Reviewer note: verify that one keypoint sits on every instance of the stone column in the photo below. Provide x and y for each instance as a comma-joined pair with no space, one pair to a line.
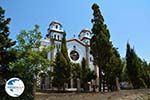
78,85
96,68
71,83
66,85
117,84
90,86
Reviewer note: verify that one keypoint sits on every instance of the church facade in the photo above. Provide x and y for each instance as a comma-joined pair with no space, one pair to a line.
78,48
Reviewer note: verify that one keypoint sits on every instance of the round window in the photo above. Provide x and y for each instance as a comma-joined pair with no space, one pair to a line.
74,55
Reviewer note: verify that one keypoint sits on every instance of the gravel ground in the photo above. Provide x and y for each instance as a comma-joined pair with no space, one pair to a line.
122,95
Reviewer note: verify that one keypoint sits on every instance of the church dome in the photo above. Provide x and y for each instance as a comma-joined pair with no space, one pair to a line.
85,36
56,26
85,33
54,23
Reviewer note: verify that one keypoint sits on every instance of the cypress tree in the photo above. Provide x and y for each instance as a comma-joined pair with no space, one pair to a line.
6,55
145,73
76,71
134,68
6,43
59,75
113,70
84,70
84,73
106,57
67,66
62,68
64,48
101,46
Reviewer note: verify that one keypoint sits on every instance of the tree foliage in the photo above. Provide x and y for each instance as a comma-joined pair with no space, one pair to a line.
113,70
76,71
145,74
86,74
6,43
7,54
134,68
67,66
85,70
29,51
62,68
59,75
30,60
105,55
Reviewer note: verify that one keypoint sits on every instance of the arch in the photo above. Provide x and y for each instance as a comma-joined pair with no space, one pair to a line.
58,37
54,36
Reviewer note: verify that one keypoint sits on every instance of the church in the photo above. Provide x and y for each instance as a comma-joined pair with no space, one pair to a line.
78,48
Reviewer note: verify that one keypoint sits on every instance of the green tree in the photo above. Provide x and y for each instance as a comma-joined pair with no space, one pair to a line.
105,55
30,60
76,71
67,66
124,75
59,75
113,70
62,66
7,54
134,68
6,43
86,72
147,76
145,73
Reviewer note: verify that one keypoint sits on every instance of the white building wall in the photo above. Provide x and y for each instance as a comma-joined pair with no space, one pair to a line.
79,48
56,27
56,35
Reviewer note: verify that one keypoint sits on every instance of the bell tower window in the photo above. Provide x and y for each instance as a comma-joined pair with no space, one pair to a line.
54,36
56,26
58,37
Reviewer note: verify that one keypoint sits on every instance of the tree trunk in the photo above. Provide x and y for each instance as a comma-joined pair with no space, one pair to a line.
117,84
34,87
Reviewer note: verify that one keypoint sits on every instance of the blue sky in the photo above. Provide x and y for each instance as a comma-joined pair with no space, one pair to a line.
127,20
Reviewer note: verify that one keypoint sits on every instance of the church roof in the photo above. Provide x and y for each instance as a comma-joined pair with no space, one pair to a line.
84,38
53,30
85,30
55,22
78,42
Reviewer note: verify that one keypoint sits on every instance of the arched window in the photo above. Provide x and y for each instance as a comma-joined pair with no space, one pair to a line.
86,42
59,45
91,59
58,37
56,26
54,36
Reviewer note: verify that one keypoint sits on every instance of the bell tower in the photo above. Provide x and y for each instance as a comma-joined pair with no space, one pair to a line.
55,34
85,36
55,31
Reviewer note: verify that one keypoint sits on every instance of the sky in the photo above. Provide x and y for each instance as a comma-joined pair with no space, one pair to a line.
127,20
